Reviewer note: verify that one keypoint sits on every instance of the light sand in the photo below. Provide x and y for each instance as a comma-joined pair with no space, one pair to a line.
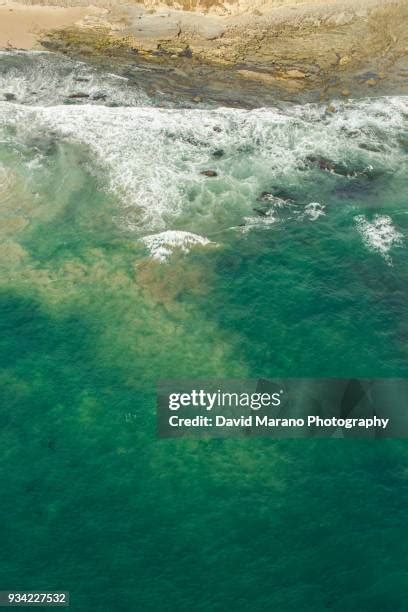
22,25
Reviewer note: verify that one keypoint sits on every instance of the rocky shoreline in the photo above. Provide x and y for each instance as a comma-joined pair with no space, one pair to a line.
317,51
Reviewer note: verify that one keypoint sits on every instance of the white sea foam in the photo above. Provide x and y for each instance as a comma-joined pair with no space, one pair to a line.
151,159
263,222
314,210
379,235
23,52
161,246
311,211
49,80
275,202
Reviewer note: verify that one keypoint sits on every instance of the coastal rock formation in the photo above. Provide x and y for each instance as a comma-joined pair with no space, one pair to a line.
290,46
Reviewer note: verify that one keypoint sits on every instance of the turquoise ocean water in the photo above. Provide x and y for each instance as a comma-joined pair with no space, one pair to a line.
122,263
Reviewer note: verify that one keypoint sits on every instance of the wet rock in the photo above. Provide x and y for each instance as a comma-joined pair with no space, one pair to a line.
265,196
218,153
260,212
160,51
369,173
345,93
9,97
371,82
321,162
197,99
195,142
99,96
369,146
342,169
217,128
209,173
363,77
328,166
187,52
78,96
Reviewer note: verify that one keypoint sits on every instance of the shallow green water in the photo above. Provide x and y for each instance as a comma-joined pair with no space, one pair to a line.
93,312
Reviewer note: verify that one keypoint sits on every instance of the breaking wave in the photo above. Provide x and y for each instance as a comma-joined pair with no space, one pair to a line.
161,246
202,170
41,78
379,235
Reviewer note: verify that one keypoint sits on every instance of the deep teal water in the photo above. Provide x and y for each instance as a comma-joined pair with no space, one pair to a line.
90,319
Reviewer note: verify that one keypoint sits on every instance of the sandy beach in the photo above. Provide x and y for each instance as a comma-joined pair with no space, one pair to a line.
22,26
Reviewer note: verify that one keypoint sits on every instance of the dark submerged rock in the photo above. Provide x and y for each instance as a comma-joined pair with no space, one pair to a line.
368,146
47,145
342,169
260,212
320,162
99,96
209,173
218,153
265,196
